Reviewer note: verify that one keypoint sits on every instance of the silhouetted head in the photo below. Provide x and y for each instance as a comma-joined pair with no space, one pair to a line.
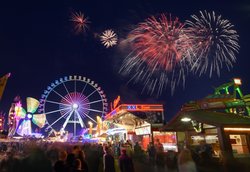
124,151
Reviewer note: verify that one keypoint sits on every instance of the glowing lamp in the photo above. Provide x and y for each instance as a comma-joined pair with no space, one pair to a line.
237,129
185,119
237,81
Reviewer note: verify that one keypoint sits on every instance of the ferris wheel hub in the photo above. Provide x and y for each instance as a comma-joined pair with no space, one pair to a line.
75,106
29,115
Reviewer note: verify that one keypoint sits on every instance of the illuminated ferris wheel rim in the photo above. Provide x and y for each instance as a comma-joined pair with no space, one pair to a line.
72,107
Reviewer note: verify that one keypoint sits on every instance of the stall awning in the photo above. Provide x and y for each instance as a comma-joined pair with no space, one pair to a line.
126,119
217,119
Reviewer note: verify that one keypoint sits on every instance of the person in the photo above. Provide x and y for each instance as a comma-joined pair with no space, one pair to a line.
117,149
10,163
138,152
81,155
171,160
137,148
185,161
128,147
108,160
36,161
60,164
159,158
151,153
70,162
76,149
205,150
125,162
78,166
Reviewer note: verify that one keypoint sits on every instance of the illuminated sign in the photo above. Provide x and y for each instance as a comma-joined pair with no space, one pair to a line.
131,107
143,130
115,131
152,113
142,107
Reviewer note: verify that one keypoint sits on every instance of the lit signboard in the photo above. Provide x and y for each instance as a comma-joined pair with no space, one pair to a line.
152,113
143,130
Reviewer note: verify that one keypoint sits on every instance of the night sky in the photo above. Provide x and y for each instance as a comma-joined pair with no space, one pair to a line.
38,45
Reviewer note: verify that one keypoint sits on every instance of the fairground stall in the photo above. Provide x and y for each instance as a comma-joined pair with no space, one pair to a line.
221,121
139,123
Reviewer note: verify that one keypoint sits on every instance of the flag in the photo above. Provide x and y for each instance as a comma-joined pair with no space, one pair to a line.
3,81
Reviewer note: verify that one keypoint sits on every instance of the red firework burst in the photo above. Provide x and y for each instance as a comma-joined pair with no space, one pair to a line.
160,42
80,22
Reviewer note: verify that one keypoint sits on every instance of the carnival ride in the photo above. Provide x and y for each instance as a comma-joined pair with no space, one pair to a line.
1,122
12,120
69,101
26,117
226,98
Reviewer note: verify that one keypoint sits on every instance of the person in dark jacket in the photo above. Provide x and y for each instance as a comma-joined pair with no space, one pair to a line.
60,165
125,162
81,155
108,160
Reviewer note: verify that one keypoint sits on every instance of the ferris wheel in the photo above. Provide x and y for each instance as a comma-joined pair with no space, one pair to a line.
69,103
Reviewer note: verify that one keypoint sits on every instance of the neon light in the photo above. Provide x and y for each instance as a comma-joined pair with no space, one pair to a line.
185,119
113,112
135,108
116,102
142,107
237,129
131,107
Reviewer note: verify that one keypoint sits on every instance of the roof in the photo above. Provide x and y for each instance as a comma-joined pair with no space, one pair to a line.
217,119
137,114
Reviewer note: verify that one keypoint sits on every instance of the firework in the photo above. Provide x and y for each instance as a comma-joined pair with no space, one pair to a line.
80,22
160,54
214,42
109,38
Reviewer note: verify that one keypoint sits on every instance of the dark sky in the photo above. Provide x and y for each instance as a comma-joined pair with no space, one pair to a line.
38,45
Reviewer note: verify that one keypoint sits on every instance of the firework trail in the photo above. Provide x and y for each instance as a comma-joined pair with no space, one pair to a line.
161,53
214,42
109,38
80,22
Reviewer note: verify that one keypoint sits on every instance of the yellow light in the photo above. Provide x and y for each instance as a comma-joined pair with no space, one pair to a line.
237,81
237,129
185,119
90,123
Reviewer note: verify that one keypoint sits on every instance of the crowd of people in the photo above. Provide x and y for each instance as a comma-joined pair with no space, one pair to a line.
36,156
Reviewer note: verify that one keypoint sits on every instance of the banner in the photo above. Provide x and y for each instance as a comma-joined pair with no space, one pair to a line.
3,81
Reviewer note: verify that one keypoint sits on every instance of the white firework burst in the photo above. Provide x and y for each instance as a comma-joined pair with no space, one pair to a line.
109,38
214,42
